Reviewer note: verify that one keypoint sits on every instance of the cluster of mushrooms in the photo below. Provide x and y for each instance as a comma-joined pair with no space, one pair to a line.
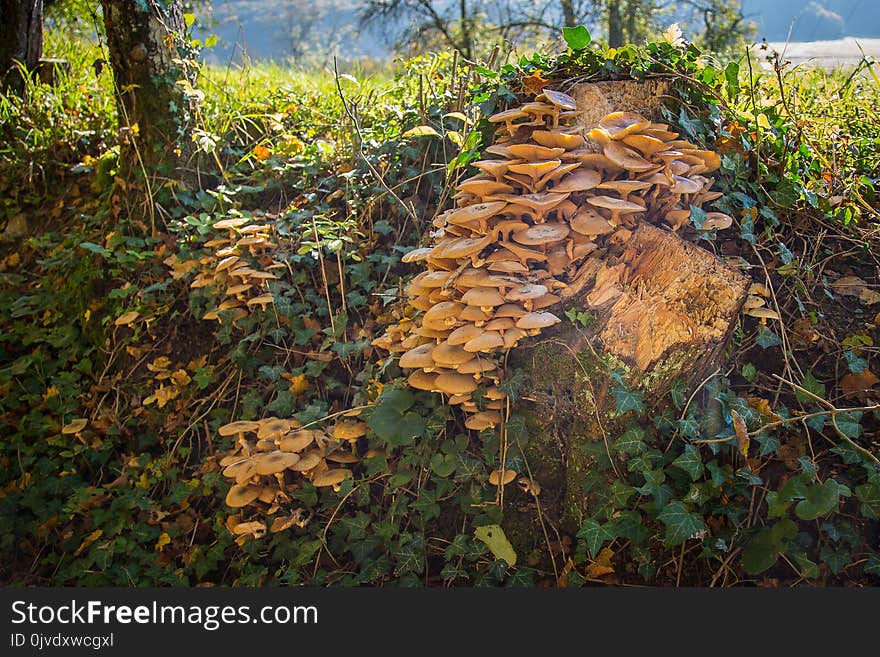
551,199
268,455
521,235
243,285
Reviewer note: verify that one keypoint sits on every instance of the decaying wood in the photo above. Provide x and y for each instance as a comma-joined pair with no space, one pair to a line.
658,309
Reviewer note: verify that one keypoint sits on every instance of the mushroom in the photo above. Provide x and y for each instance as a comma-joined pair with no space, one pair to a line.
241,495
621,124
463,334
589,222
486,298
349,430
241,470
296,441
308,461
332,477
717,221
455,383
534,152
421,380
274,428
483,420
537,320
269,463
486,341
420,357
617,207
499,478
557,139
542,234
449,355
238,427
579,181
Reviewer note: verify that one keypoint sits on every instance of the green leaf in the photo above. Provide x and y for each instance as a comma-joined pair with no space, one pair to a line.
630,442
749,372
444,464
837,560
731,75
767,338
821,499
595,535
763,549
211,41
691,462
577,38
869,495
391,420
808,568
681,524
421,131
495,539
628,400
813,385
850,424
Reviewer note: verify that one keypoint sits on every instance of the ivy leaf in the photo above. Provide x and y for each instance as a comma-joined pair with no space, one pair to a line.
837,560
628,400
681,524
763,549
811,384
869,495
691,462
495,539
821,499
767,338
595,535
630,442
577,38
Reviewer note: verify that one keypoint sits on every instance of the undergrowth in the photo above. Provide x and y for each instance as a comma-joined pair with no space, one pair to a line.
114,386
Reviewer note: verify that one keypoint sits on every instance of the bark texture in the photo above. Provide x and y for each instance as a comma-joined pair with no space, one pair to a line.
144,39
21,38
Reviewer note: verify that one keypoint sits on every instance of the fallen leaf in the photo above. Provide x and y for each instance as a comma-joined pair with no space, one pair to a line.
126,318
298,384
601,565
164,539
742,433
160,364
763,407
495,539
854,286
533,84
75,426
87,541
858,384
261,152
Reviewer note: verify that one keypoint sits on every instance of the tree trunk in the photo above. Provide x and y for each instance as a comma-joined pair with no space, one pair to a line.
21,38
615,24
144,39
568,14
658,309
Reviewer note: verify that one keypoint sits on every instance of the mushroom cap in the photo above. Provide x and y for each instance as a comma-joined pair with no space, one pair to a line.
507,115
422,380
579,181
349,429
483,420
625,186
762,313
537,320
273,427
483,188
561,100
331,477
627,158
589,222
521,252
483,297
513,310
512,336
464,333
541,201
478,365
239,426
615,204
621,124
541,234
417,254
557,139
508,267
682,185
494,167
645,144
534,152
499,324
717,220
526,292
461,247
241,495
473,314
297,440
499,478
418,357
535,169
307,461
486,341
342,456
444,310
455,383
268,463
241,470
233,222
262,300
430,279
449,355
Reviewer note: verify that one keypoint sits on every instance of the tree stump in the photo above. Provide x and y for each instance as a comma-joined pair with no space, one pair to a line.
655,309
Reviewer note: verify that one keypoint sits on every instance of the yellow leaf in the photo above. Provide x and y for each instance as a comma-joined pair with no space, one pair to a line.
533,84
495,539
75,426
181,378
164,539
421,131
602,564
126,318
87,541
298,384
160,364
763,122
261,152
742,433
51,391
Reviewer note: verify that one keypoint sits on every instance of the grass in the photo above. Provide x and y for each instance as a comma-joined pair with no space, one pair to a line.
136,496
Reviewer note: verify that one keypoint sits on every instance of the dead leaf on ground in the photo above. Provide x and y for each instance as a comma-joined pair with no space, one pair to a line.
602,564
742,433
853,286
858,384
87,541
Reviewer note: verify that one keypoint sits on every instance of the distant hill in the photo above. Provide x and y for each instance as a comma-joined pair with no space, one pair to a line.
317,29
